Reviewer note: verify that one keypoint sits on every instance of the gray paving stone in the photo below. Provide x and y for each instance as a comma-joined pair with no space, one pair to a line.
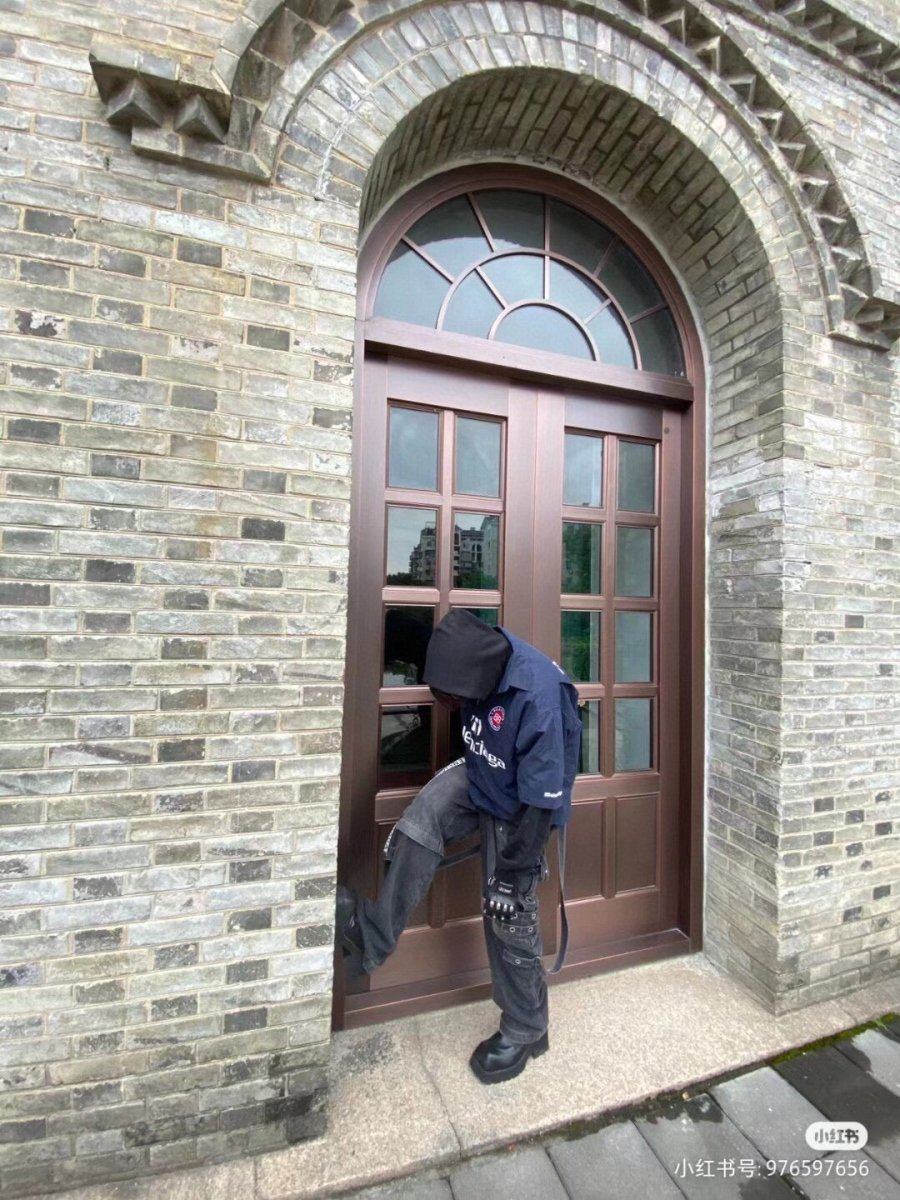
614,1163
775,1117
697,1134
844,1092
526,1174
877,1055
407,1189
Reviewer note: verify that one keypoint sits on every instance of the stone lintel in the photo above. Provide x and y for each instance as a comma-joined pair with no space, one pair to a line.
171,146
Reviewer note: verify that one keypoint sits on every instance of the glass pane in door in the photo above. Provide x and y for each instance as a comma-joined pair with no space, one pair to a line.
634,561
476,550
490,616
633,734
634,657
413,449
405,739
581,557
580,645
590,738
637,477
583,470
477,457
411,545
407,628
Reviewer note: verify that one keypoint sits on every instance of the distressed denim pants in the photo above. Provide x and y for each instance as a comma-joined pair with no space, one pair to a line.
443,813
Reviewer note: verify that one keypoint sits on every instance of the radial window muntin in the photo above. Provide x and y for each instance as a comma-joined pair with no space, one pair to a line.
669,353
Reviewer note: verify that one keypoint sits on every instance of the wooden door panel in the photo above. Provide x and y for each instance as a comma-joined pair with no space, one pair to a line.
585,844
635,848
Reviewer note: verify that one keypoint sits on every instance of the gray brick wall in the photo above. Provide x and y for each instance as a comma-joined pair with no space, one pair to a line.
172,584
175,361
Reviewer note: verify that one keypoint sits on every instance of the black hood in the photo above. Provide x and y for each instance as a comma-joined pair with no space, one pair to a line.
465,657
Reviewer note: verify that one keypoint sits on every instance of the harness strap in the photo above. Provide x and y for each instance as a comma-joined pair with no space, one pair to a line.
450,860
563,919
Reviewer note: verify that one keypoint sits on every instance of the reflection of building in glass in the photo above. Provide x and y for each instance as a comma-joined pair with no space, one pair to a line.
423,557
467,550
476,553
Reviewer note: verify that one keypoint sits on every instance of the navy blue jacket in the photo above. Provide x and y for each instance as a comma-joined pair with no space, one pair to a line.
523,742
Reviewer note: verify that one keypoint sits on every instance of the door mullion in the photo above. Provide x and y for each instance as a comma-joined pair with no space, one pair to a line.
546,554
608,619
669,701
518,521
445,557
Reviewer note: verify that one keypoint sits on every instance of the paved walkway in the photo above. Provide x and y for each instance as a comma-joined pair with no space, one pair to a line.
402,1099
736,1139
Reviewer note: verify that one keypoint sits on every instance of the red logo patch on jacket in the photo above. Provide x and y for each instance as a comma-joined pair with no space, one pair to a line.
496,717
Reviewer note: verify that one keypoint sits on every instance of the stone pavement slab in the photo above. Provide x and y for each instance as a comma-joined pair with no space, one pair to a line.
843,1092
775,1117
614,1163
408,1189
526,1174
697,1131
871,1001
225,1181
876,1054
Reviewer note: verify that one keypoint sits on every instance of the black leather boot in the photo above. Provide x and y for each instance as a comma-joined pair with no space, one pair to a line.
496,1060
347,933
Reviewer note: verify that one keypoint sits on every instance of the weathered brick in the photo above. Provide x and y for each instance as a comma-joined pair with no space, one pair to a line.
55,224
268,337
15,594
263,529
122,262
101,570
199,252
183,648
121,362
116,465
182,750
26,430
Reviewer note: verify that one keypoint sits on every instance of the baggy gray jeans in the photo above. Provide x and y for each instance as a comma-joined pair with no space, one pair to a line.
443,813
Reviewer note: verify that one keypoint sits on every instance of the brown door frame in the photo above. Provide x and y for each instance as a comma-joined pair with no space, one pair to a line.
524,366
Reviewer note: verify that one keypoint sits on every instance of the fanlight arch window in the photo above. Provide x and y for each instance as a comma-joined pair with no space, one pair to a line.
523,268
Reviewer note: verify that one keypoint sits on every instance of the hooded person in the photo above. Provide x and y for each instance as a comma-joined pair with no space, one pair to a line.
522,733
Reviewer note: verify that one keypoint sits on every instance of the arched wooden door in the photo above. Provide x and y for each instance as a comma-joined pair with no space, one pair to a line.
515,456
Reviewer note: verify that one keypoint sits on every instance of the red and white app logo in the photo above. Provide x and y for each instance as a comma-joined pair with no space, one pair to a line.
495,718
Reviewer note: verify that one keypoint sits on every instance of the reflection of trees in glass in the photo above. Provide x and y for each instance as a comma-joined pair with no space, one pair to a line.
589,711
581,557
580,645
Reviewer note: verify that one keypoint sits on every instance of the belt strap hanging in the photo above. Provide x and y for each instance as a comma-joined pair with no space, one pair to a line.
563,919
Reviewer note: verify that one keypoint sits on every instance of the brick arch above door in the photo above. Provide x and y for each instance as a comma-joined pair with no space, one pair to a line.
231,118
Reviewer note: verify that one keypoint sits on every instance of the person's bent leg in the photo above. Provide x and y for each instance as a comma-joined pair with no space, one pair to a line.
439,814
380,922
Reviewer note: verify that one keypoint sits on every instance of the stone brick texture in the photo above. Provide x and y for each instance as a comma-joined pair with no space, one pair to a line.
176,358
